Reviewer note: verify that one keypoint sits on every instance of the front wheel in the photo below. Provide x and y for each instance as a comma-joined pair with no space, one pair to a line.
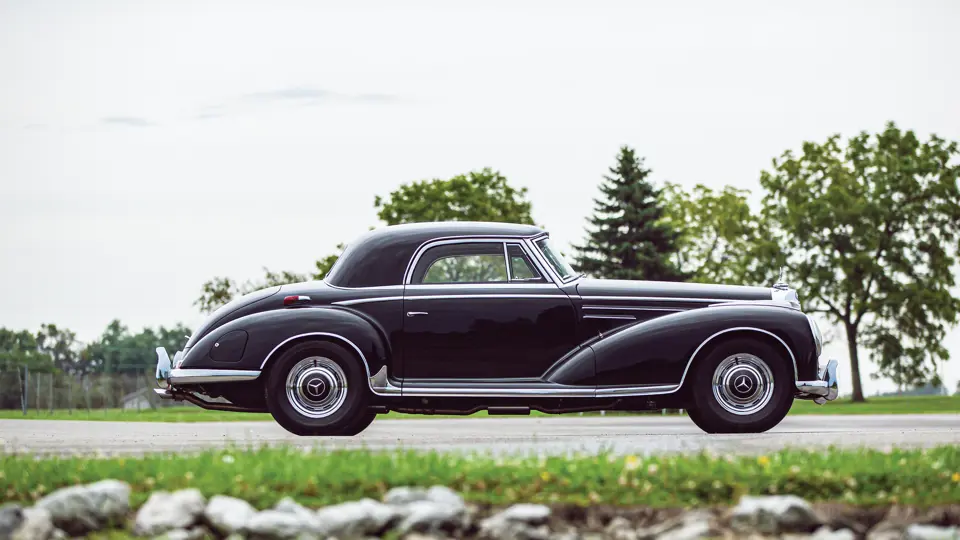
317,388
741,386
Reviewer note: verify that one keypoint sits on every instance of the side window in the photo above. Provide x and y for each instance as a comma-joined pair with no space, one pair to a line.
521,269
479,262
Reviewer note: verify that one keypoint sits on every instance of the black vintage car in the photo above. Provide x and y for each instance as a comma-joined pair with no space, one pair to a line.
455,318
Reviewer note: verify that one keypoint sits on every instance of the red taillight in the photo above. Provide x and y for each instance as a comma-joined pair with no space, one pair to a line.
290,300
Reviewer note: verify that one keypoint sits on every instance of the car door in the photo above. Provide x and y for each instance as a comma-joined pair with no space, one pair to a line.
481,309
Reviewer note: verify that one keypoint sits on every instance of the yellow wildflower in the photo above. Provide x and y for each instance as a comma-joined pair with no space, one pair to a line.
631,463
956,477
763,461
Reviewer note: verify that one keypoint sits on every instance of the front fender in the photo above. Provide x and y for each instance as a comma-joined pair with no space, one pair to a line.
659,351
268,331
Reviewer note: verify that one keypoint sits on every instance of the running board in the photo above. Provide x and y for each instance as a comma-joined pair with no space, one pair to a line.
382,385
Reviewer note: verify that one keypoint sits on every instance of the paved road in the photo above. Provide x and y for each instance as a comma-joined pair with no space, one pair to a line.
621,434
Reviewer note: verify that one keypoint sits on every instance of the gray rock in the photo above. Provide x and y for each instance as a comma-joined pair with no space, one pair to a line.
824,533
534,514
931,532
432,517
356,519
166,511
690,531
196,533
400,496
37,525
79,510
405,495
227,515
11,516
280,525
774,514
520,521
445,495
694,524
620,528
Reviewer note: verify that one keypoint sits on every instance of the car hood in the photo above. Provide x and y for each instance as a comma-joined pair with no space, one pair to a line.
670,289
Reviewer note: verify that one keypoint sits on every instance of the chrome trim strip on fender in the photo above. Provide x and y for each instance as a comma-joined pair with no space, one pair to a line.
657,299
559,296
506,285
619,317
366,365
197,376
636,308
366,300
738,328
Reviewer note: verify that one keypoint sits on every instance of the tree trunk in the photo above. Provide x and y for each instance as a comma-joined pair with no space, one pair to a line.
854,363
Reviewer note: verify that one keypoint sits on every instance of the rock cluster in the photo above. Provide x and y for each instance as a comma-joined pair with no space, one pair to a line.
421,514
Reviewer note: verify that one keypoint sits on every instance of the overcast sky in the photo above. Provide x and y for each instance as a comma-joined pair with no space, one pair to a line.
148,146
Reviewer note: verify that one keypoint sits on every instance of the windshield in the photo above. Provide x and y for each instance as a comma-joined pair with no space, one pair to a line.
555,259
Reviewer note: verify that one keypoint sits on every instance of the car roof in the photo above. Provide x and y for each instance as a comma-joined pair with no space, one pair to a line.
380,256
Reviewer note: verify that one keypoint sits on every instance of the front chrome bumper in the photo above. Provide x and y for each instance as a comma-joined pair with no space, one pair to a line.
169,373
823,389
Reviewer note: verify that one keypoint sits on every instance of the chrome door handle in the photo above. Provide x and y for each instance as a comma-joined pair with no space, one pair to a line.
415,313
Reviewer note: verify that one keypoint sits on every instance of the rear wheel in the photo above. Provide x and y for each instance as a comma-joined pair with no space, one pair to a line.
741,386
317,388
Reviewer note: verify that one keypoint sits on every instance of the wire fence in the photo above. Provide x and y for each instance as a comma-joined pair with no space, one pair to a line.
125,388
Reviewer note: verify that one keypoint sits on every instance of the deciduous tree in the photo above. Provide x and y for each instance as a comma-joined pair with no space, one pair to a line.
482,195
869,233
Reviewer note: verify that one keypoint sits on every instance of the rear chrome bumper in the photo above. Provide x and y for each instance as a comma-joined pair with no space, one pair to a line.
823,389
169,374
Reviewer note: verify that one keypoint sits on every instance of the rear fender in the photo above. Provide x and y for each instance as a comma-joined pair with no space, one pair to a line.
270,332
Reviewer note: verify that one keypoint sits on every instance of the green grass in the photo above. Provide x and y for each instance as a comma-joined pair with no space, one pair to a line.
317,477
877,405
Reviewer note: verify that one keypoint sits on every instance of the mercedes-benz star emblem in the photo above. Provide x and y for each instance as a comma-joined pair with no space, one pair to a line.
315,387
743,383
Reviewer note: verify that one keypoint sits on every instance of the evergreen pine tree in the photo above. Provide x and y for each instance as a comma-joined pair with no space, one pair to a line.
628,240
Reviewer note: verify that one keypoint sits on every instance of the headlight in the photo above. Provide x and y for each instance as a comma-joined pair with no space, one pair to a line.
817,336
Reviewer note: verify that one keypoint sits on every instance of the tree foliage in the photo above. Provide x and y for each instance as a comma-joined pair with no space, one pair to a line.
869,234
61,345
629,237
19,349
718,233
117,349
481,195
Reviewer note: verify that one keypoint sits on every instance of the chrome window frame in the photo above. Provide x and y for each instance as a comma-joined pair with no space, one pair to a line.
549,278
532,245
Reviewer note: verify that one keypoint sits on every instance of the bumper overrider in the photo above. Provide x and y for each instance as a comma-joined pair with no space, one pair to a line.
823,389
175,381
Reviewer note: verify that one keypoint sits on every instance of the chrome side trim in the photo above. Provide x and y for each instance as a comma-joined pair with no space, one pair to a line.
373,288
619,317
366,365
637,308
739,328
197,376
492,295
658,299
483,286
628,391
366,300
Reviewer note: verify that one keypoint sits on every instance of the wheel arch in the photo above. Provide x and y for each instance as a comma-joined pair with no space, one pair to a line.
738,332
328,337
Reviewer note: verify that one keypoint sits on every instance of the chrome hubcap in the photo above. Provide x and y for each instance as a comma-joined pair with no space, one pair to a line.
743,384
316,387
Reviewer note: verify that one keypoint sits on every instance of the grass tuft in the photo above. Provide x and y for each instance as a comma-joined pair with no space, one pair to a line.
314,477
